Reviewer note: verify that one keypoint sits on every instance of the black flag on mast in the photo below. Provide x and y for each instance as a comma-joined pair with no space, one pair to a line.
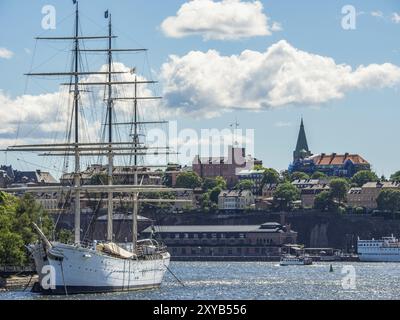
106,14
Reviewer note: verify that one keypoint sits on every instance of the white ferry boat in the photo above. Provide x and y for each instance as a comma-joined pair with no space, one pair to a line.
295,261
386,249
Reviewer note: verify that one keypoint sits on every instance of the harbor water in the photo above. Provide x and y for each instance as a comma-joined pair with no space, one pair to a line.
261,280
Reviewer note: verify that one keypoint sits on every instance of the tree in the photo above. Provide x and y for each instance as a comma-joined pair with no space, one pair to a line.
360,210
319,175
338,189
258,167
211,183
11,249
65,236
299,176
389,200
244,185
270,176
395,176
16,217
208,184
188,180
214,193
284,176
364,176
221,182
323,201
29,210
285,194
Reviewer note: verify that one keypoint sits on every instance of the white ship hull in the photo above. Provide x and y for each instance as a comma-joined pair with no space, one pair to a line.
295,261
84,270
380,256
386,249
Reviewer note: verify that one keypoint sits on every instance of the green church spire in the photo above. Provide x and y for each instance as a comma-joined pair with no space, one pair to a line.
302,150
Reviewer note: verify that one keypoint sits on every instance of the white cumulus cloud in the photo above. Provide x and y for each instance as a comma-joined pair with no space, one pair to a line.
377,14
208,83
5,53
395,17
46,117
219,20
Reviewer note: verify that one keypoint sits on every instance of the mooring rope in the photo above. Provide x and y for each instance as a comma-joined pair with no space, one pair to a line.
62,273
26,287
177,279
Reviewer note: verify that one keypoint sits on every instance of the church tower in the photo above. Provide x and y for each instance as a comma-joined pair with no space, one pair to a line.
302,150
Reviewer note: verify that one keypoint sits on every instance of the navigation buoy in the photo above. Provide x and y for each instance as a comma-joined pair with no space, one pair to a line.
331,269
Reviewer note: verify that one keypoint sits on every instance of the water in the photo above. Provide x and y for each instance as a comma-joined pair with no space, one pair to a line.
260,280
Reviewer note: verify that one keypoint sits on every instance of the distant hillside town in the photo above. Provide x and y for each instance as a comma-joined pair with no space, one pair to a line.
236,182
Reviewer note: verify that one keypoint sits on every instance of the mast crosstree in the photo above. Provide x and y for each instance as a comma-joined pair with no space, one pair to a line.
110,148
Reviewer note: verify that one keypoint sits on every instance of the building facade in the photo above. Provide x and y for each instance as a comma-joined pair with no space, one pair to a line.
255,176
309,189
367,195
226,167
11,177
97,174
235,200
341,165
308,194
221,241
268,190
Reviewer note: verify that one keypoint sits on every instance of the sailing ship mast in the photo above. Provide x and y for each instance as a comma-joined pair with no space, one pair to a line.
110,205
108,149
135,195
77,176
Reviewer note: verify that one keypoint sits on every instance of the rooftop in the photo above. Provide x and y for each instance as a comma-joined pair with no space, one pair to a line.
337,159
382,184
273,228
247,172
234,193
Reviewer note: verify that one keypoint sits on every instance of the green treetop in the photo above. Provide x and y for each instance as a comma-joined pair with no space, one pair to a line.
189,180
364,176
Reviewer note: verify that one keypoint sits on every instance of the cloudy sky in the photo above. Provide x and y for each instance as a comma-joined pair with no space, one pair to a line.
265,63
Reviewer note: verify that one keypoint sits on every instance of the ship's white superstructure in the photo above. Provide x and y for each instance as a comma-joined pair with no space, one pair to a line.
289,260
386,249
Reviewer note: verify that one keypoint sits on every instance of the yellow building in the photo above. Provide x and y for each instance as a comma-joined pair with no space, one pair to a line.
367,195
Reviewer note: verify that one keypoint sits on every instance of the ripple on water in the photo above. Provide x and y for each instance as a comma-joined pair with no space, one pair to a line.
258,280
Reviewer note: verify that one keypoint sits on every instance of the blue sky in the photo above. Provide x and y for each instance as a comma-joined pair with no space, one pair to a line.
363,121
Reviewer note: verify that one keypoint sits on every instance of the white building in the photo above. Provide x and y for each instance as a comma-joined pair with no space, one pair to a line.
235,200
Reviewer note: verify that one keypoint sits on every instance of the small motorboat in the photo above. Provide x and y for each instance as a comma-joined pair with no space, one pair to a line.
289,260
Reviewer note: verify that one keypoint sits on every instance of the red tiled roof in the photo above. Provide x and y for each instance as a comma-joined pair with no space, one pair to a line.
337,159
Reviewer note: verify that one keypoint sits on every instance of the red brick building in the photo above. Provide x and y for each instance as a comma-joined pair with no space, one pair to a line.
226,167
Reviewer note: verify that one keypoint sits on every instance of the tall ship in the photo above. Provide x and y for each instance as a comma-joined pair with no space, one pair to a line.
99,266
386,249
